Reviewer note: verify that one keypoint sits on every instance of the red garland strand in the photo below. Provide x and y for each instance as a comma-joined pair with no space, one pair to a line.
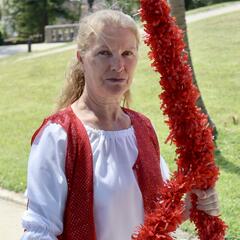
189,130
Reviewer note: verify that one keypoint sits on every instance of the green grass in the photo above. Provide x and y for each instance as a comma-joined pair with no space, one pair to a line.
29,89
215,50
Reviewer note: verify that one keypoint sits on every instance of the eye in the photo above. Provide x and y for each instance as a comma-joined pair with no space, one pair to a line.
127,53
105,53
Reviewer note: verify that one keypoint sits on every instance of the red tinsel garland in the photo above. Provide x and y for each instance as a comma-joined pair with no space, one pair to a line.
189,130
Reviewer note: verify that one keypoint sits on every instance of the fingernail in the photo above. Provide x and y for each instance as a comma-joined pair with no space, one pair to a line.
203,195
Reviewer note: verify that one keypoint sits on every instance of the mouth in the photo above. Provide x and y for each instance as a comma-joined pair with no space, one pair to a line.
116,80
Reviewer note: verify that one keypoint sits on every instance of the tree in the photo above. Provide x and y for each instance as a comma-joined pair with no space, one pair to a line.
190,4
90,4
127,6
178,11
31,16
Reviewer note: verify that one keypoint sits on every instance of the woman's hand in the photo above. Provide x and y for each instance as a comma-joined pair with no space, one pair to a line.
207,201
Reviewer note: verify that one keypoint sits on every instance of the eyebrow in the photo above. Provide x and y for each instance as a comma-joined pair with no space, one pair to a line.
105,46
134,48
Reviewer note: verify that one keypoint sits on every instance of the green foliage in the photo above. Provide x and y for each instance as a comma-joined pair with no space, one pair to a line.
28,18
31,16
90,3
128,6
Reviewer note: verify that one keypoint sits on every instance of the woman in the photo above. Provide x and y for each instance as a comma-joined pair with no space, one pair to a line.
94,165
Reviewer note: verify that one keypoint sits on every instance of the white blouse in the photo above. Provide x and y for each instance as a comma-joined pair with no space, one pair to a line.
118,204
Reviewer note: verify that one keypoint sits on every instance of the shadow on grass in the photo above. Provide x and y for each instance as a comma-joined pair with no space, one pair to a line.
224,164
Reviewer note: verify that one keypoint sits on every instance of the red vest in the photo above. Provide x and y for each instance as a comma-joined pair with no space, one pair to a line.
78,216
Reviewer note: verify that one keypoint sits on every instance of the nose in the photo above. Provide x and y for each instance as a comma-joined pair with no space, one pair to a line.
117,64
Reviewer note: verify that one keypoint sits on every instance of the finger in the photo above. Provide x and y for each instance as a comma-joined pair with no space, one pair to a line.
214,213
210,200
188,203
209,207
210,192
202,194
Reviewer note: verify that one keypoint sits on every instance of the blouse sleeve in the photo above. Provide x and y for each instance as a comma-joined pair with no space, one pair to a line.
163,165
46,185
164,169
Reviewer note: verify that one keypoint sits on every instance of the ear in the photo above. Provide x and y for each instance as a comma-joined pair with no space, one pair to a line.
79,57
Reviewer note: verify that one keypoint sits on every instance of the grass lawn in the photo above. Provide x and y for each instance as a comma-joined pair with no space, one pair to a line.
216,58
29,89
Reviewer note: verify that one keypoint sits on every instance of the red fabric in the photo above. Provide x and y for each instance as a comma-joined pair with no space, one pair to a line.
78,217
189,129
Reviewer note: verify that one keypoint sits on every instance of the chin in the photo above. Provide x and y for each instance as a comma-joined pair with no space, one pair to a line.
116,91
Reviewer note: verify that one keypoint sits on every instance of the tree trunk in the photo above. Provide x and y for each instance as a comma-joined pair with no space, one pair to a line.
90,5
45,17
178,11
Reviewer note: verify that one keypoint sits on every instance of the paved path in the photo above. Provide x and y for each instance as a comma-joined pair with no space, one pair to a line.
10,220
212,13
9,50
52,51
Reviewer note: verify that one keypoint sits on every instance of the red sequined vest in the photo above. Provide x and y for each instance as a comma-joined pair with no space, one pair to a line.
78,216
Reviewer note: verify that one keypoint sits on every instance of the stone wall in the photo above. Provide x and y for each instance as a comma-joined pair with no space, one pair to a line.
61,33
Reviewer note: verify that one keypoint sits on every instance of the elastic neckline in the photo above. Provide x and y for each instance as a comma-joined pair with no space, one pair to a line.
121,132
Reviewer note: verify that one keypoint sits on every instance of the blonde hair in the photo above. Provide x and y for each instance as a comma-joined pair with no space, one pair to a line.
75,81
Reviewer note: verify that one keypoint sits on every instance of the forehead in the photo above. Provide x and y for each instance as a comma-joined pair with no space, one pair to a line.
114,37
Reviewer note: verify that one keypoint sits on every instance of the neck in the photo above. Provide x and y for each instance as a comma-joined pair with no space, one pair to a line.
105,110
101,113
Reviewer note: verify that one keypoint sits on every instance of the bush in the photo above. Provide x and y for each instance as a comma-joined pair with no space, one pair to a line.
130,6
191,4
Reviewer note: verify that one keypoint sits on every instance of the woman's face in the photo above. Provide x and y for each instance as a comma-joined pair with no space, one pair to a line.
109,63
